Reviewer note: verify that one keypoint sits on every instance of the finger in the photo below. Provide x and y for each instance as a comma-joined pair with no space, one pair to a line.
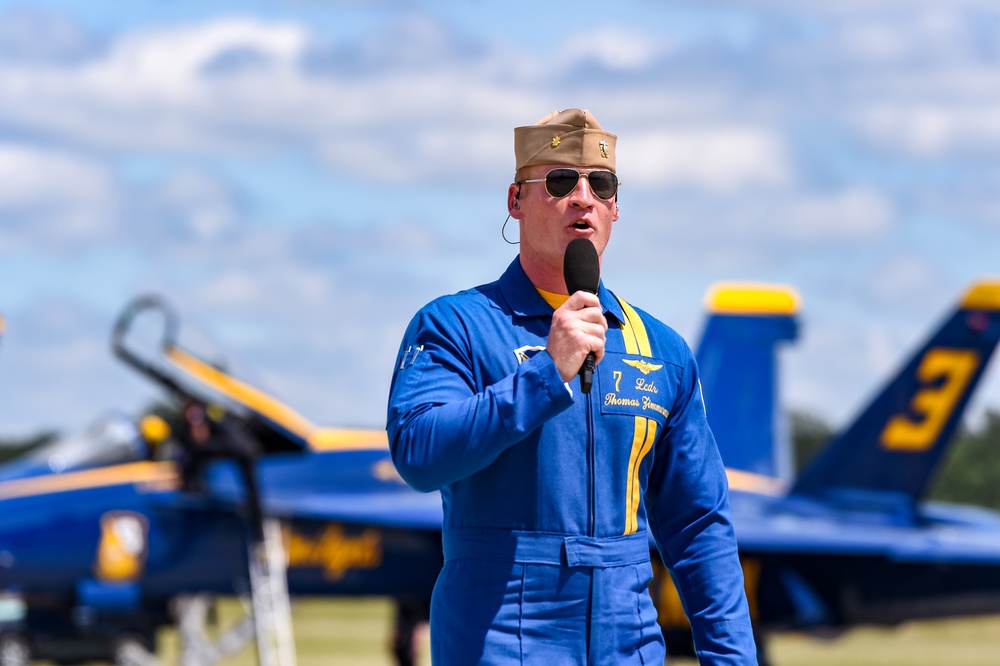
582,299
598,355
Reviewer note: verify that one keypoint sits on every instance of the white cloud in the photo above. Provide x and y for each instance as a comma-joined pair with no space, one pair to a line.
932,129
849,8
718,159
749,156
31,177
40,36
53,196
151,90
156,90
168,60
915,34
856,214
907,281
278,288
614,48
202,203
760,222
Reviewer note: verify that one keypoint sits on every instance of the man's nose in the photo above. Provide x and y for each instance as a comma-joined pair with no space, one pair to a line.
582,192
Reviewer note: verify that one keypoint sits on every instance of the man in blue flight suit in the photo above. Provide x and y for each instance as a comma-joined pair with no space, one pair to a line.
548,491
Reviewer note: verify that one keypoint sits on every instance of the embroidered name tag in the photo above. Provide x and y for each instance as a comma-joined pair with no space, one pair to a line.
636,386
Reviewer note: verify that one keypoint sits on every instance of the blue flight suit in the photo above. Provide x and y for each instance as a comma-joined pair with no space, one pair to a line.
548,492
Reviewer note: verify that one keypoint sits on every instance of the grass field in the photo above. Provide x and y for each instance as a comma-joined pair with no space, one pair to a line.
355,633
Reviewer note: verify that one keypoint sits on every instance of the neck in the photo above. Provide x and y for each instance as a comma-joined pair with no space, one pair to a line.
544,276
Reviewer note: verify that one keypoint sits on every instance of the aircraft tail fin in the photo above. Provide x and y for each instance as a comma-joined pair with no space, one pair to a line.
738,363
893,447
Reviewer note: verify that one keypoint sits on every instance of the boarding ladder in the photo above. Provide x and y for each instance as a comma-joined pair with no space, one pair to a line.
269,597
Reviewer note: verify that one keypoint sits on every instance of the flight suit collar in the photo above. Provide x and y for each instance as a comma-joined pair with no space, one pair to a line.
524,300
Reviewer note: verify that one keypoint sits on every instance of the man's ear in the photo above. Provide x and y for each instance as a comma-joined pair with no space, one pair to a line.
513,201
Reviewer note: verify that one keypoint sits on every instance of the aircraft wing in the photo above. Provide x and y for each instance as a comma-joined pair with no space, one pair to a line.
939,534
385,509
353,482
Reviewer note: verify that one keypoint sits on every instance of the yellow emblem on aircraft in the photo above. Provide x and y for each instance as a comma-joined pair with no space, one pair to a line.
121,553
643,366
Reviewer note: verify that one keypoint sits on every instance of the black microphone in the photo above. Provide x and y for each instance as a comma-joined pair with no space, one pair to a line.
582,272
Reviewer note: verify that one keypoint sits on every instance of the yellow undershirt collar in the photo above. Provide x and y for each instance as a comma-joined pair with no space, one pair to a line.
552,298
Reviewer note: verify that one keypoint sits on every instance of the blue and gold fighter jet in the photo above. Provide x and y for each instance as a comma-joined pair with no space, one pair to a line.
852,540
99,550
108,537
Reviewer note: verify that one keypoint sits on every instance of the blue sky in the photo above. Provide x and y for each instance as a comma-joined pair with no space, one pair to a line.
298,177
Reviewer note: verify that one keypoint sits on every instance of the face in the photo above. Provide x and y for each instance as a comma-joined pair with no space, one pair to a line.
548,223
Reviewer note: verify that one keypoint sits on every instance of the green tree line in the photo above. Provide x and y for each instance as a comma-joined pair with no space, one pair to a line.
11,448
969,473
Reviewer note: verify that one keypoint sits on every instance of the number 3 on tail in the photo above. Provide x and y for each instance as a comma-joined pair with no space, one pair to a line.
954,368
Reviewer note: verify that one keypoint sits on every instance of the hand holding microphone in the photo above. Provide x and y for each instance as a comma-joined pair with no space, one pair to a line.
576,340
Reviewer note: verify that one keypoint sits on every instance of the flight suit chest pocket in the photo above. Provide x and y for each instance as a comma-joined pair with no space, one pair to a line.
634,385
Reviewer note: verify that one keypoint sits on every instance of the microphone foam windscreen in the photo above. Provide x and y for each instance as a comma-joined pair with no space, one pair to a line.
581,266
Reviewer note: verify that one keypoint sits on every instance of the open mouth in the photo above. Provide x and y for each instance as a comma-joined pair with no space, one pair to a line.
581,225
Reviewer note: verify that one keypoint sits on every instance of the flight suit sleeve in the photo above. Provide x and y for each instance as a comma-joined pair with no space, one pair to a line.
442,425
688,509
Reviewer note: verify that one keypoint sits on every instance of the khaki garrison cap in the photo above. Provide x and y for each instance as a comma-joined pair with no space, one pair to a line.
572,137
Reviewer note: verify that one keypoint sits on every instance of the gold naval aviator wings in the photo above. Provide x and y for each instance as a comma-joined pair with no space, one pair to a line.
645,367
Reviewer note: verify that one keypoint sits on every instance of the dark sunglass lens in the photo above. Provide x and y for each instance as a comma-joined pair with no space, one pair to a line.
560,182
603,183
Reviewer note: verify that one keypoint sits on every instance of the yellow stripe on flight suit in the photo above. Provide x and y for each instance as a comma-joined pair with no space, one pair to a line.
642,443
636,342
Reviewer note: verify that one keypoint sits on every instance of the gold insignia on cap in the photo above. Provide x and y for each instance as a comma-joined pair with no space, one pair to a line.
644,367
571,137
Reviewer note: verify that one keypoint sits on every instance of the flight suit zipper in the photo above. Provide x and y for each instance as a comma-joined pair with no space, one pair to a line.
591,511
591,483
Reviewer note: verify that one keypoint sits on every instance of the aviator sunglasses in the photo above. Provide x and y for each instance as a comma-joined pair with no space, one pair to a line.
560,182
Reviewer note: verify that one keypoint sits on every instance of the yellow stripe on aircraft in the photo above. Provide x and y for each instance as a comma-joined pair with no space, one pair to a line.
751,298
755,483
160,473
337,439
318,439
982,296
241,392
